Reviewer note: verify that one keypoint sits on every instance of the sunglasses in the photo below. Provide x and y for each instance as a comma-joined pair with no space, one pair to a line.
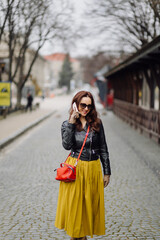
83,106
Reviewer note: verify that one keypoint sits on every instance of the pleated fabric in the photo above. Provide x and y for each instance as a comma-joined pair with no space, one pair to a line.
80,208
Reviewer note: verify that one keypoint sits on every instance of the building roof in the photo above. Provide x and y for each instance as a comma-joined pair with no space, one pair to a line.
146,55
58,57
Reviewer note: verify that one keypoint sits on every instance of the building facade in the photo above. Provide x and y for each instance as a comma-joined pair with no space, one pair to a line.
136,84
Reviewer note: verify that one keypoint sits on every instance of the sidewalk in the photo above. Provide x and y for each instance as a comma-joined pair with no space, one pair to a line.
19,122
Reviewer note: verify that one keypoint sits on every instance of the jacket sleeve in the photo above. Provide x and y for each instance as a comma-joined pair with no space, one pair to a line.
104,154
68,135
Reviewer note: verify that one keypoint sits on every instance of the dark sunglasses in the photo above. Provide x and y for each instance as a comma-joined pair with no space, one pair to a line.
83,106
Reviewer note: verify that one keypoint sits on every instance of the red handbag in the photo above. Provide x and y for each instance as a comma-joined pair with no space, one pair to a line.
67,172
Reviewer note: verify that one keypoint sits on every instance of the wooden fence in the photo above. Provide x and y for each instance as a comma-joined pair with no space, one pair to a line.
143,119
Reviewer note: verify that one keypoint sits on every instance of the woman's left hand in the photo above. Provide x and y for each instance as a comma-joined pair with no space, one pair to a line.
106,179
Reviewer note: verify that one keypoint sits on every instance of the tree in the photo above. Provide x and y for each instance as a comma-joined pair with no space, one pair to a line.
132,23
66,73
155,5
5,7
30,24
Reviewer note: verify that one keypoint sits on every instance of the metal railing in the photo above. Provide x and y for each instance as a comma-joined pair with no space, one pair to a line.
147,120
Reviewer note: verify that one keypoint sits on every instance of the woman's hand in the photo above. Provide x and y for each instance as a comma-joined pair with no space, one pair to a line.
73,117
106,179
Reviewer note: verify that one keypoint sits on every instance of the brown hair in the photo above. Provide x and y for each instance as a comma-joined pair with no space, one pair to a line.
92,116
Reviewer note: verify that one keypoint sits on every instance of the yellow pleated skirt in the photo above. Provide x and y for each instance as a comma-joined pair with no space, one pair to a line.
80,208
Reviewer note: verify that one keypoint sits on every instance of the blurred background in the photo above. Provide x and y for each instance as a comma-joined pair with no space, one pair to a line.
50,48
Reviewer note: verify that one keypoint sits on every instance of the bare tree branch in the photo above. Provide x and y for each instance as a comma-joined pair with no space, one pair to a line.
138,22
29,24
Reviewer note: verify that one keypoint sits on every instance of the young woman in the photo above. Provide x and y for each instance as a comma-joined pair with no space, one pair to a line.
80,209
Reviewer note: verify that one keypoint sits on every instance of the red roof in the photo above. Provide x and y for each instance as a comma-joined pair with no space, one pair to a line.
58,57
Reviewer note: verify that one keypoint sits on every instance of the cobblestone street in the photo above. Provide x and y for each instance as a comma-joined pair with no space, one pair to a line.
28,191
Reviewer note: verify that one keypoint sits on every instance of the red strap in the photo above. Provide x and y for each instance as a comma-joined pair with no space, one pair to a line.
81,147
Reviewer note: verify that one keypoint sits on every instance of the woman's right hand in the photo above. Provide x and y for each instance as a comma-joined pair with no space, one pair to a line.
106,179
73,117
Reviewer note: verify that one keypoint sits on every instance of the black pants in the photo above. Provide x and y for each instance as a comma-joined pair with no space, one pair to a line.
28,106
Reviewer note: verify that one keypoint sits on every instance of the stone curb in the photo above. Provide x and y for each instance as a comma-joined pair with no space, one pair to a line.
11,138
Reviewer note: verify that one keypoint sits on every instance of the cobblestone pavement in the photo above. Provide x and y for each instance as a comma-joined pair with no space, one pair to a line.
28,191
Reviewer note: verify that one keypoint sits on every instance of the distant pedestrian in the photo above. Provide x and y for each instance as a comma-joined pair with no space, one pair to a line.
29,101
80,209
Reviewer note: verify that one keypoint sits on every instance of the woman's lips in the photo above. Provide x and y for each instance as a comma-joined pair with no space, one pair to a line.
85,112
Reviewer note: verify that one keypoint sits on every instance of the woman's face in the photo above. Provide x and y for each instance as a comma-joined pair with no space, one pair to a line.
85,106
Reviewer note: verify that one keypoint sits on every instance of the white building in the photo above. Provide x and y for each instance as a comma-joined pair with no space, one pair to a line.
38,72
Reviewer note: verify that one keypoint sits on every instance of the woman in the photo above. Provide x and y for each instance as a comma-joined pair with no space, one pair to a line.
80,209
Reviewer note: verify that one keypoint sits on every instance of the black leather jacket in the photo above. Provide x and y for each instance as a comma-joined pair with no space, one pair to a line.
94,148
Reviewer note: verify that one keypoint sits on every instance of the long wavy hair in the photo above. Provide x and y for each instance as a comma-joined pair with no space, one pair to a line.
92,117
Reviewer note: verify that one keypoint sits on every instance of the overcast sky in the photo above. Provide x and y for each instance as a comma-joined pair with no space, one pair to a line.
80,47
90,44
